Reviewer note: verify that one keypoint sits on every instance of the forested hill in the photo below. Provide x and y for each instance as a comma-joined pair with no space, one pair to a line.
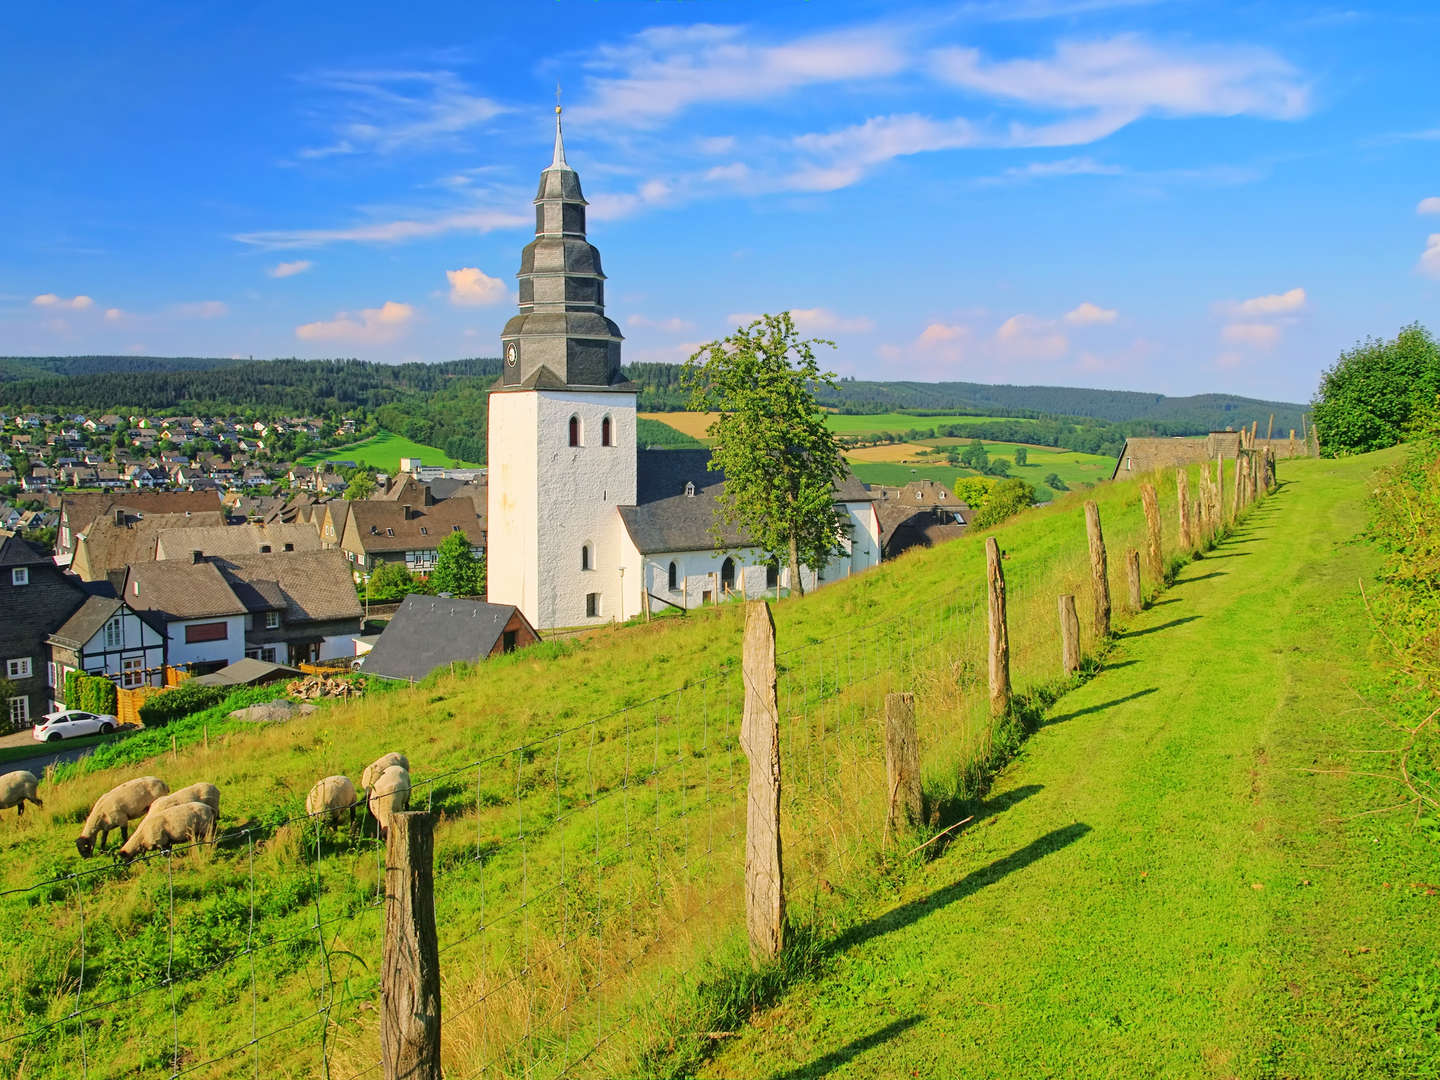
660,389
39,367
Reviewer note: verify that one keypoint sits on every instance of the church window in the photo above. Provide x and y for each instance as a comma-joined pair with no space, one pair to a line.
674,577
727,575
605,439
772,575
592,605
585,558
574,431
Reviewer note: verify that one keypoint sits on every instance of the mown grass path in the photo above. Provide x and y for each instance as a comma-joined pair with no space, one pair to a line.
1164,884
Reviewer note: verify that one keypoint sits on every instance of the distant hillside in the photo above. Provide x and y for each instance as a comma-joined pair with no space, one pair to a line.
13,368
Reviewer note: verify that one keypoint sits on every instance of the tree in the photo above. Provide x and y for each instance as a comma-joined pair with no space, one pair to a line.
1376,391
1022,456
390,581
1054,483
998,467
1005,500
458,570
361,486
780,459
973,489
975,456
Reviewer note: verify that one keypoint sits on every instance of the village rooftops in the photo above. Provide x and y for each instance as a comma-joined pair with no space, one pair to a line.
88,621
175,590
428,632
248,539
307,586
377,526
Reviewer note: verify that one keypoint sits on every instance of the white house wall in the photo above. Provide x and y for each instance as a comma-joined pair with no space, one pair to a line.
336,646
180,652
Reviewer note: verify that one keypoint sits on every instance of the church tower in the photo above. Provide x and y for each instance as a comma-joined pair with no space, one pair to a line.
561,426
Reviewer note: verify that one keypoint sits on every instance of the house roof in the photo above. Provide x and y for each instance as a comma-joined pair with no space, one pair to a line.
428,632
665,518
81,509
244,539
174,590
1146,454
17,552
86,622
379,526
106,546
246,672
308,586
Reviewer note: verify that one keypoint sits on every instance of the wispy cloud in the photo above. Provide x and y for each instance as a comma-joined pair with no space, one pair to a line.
1261,335
1286,303
200,309
387,232
813,321
1028,337
472,287
290,269
672,325
1430,258
1430,205
385,111
371,326
1088,314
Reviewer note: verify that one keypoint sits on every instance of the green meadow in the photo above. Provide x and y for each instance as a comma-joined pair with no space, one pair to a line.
383,452
871,423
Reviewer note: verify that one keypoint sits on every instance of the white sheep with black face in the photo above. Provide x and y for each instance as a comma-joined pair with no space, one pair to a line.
180,824
331,798
118,807
17,788
390,796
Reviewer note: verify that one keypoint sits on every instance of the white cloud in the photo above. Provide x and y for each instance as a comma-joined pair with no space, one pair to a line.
472,287
1258,335
673,325
941,334
289,269
75,303
1088,314
201,309
113,314
1430,257
663,70
370,326
1030,338
383,112
735,172
1230,360
1039,170
387,232
1127,72
1429,206
813,321
1286,303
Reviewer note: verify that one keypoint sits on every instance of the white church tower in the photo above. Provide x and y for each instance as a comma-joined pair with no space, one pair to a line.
562,427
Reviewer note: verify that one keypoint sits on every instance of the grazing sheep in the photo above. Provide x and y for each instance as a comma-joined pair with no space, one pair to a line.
391,795
332,797
379,765
208,794
16,788
117,808
173,825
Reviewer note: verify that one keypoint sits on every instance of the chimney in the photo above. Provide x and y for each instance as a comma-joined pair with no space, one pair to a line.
119,516
406,508
197,557
429,496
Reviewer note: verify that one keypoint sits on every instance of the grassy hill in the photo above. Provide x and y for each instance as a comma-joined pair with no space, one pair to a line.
590,800
384,452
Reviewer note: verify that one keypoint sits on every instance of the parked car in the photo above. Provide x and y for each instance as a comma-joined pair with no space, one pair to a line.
71,724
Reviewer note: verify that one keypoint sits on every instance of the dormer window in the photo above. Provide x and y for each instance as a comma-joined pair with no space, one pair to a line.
605,439
574,431
424,531
389,532
264,549
20,575
689,489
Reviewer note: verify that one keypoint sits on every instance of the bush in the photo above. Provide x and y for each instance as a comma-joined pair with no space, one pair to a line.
93,693
1376,391
1005,500
1054,483
187,698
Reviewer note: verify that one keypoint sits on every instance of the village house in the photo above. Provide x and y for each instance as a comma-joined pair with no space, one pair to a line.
106,636
378,531
36,599
430,632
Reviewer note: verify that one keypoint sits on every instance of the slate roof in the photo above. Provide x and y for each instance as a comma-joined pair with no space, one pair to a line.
81,509
1147,454
664,518
174,590
17,552
377,526
106,546
247,672
428,632
235,540
308,586
86,623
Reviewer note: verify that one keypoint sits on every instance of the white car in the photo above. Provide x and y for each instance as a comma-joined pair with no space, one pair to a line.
72,723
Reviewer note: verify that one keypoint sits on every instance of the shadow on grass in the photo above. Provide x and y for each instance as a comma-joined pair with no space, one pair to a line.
1229,554
998,804
824,1065
1200,577
1051,722
1163,626
912,912
1117,665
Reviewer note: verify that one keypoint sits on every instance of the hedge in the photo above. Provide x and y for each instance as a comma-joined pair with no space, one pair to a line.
93,693
187,698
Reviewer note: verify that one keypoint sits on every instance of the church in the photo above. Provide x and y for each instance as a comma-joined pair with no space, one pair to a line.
585,528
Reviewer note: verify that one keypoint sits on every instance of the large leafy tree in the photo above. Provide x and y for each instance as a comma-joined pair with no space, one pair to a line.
458,570
1376,391
780,460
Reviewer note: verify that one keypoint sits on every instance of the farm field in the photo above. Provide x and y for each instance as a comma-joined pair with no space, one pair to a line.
694,424
1190,870
384,452
892,464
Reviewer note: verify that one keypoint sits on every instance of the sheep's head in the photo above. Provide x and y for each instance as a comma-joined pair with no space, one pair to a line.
85,845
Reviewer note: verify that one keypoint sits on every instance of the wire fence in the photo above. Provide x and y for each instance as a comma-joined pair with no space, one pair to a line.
584,881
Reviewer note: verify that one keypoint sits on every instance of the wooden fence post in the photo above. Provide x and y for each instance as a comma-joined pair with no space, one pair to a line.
999,631
410,968
1153,550
1219,491
1132,573
1182,496
902,763
1270,429
760,739
1099,570
1292,442
1069,635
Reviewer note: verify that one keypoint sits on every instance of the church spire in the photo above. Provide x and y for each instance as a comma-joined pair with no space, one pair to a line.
558,161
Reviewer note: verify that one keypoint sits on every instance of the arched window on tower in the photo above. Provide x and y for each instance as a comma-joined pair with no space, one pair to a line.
587,561
727,575
574,431
605,439
674,577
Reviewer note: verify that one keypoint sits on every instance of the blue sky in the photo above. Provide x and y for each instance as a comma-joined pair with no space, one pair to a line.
1157,196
